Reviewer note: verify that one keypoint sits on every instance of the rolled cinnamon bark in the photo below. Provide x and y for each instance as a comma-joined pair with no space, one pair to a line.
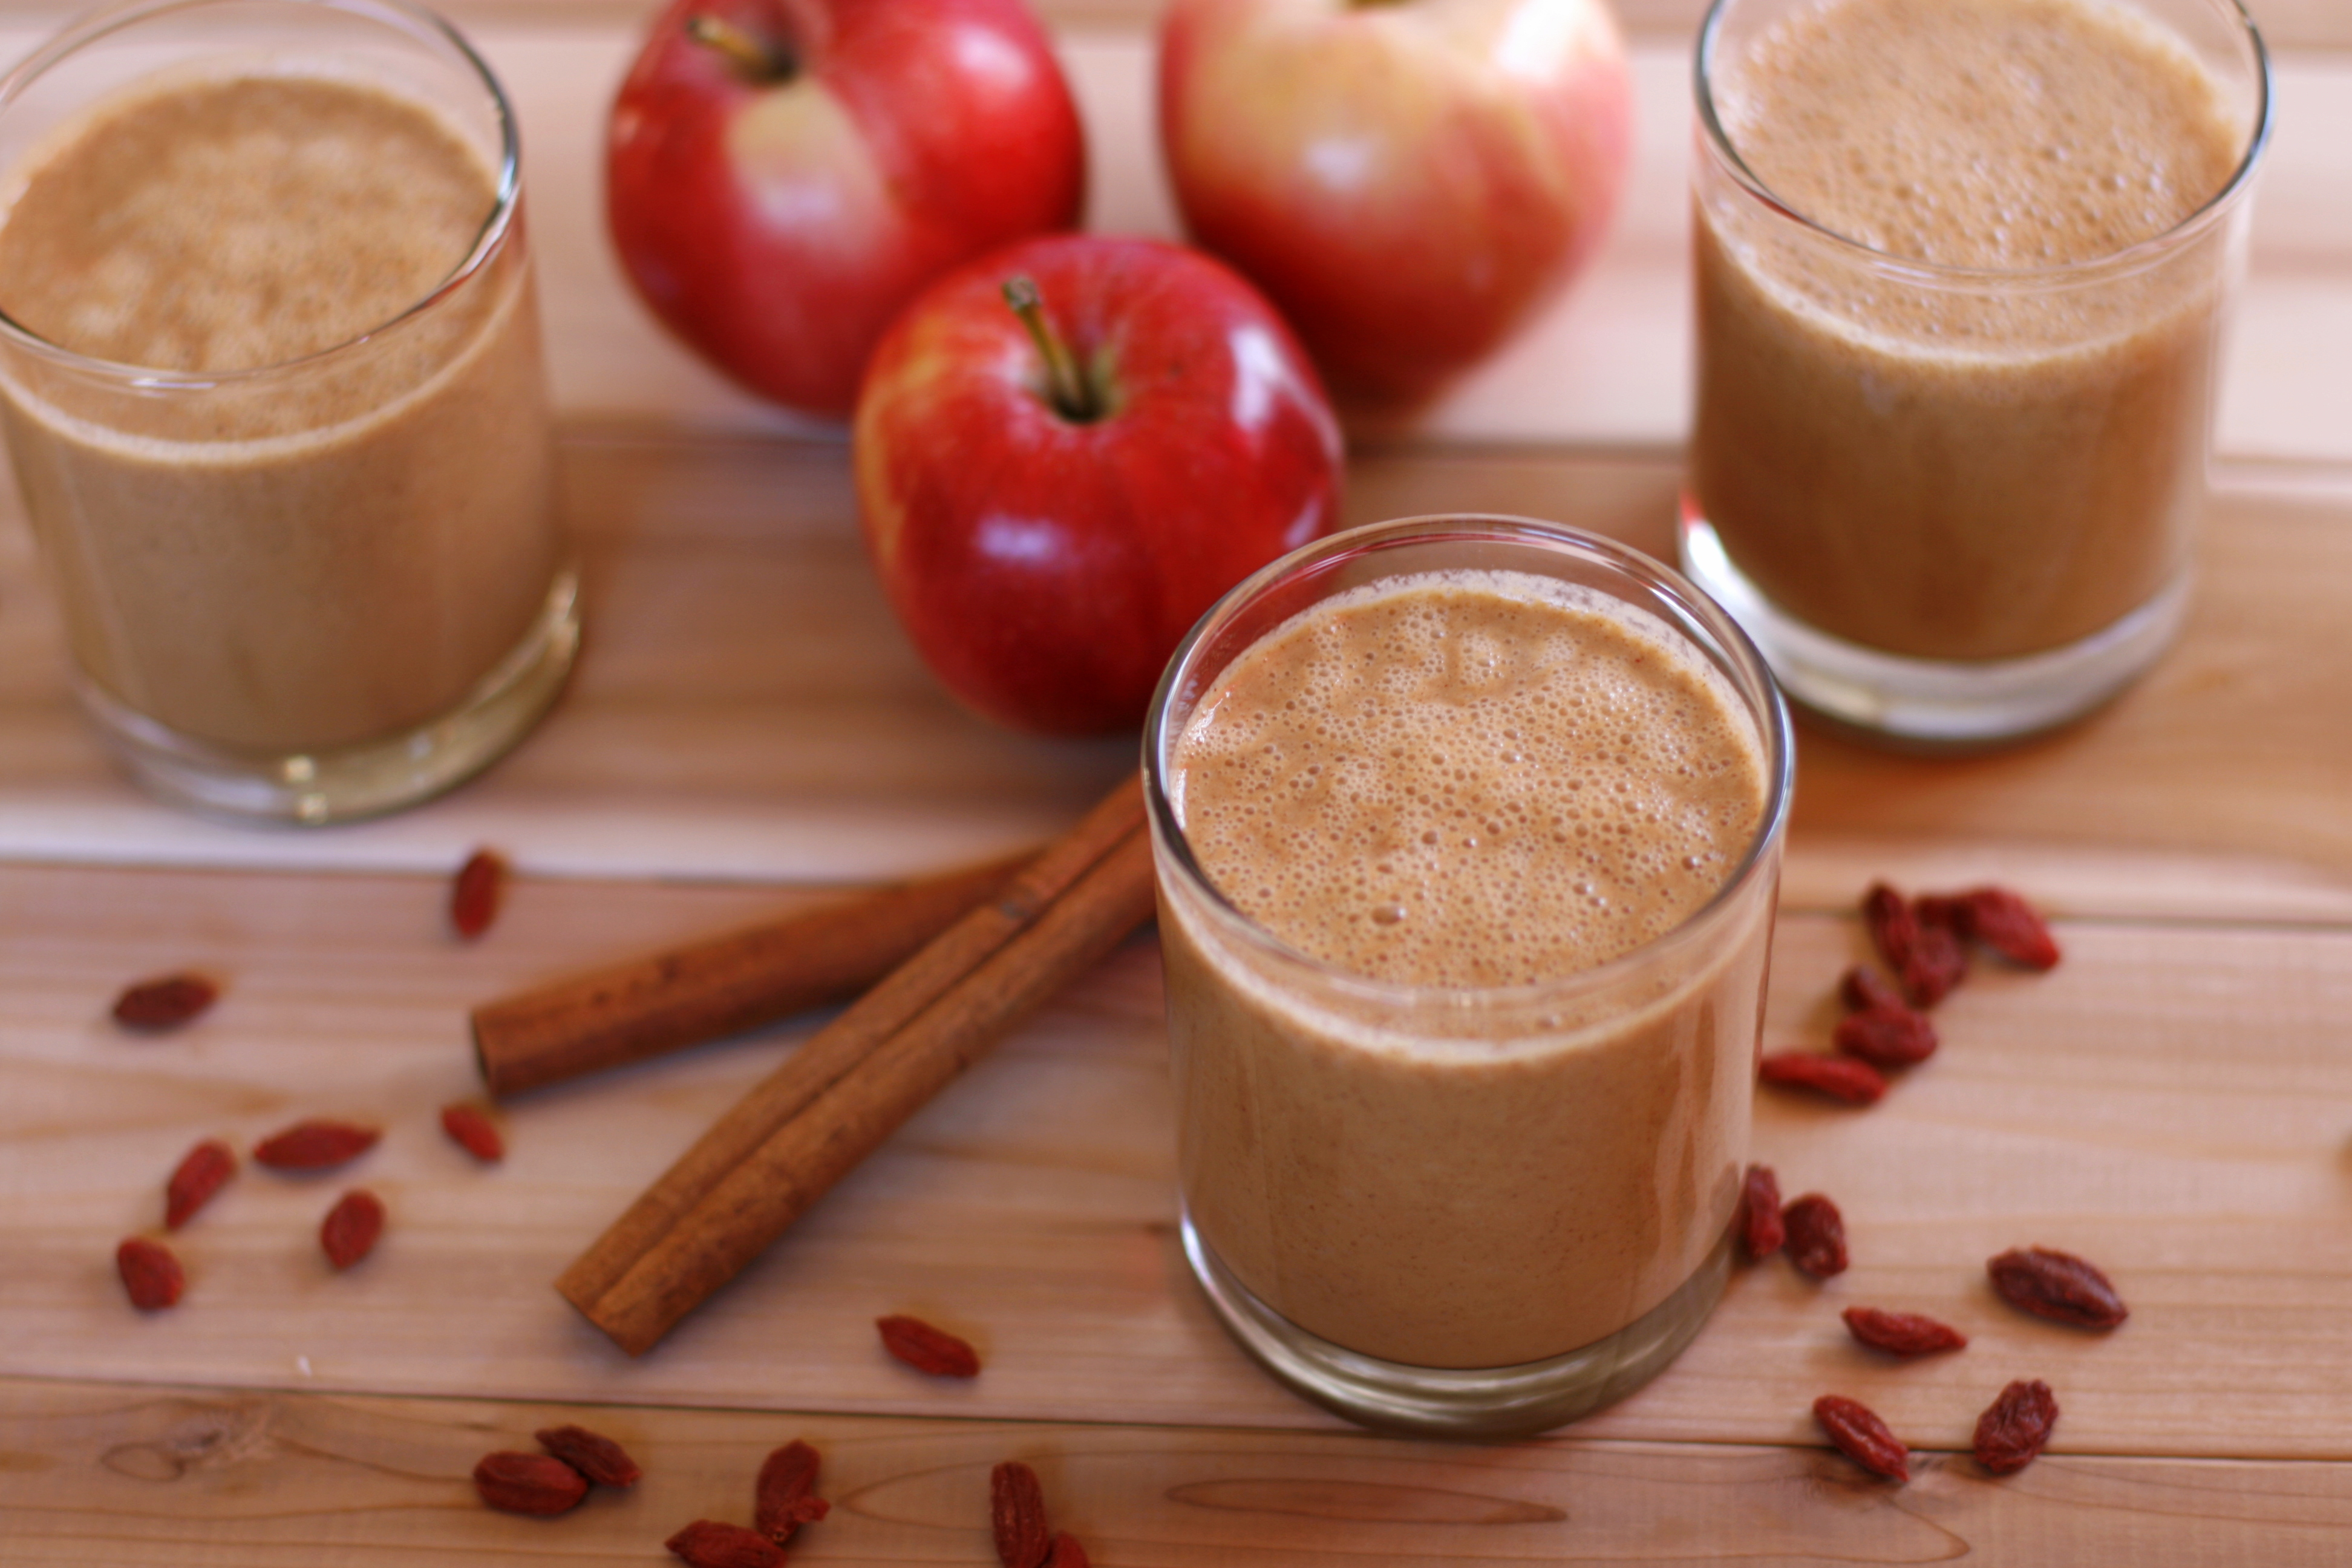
836,1098
721,986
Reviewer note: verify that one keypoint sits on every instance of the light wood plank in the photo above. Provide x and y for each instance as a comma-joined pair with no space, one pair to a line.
125,1478
747,709
2171,1102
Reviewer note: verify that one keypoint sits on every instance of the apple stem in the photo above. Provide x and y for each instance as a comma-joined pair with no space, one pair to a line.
1065,388
754,57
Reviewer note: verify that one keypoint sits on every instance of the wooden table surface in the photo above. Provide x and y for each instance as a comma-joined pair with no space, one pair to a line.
747,730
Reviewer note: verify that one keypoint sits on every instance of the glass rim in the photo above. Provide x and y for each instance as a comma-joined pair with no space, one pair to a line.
1678,602
402,16
2139,254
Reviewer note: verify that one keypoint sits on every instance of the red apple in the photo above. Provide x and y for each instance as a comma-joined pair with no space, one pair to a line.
1407,179
1047,532
782,175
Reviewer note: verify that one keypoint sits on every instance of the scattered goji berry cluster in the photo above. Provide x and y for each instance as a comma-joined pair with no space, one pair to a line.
153,1274
2036,1279
553,1482
1925,942
784,1499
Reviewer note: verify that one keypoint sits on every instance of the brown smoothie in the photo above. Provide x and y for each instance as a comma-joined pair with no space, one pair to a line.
1480,784
304,557
1960,472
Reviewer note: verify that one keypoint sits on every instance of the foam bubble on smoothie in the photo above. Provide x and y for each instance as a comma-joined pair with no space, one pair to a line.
2000,135
1469,779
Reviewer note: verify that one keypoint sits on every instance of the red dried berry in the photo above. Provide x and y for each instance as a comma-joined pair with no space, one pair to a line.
150,1273
785,1502
1864,988
2056,1285
1816,1236
1861,1437
2006,924
349,1230
529,1483
1893,1037
1841,1078
1894,927
471,1128
2016,1426
598,1457
927,1349
199,1175
1950,911
706,1543
474,896
1760,1230
166,1002
1902,1334
1066,1553
1936,962
315,1146
1016,1510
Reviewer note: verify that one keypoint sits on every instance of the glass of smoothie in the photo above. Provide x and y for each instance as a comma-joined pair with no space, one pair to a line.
1468,833
271,382
1961,269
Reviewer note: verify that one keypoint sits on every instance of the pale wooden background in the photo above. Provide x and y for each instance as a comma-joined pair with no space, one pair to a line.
747,725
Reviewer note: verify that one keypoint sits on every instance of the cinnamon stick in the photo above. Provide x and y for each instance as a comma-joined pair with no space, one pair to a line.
783,1146
722,986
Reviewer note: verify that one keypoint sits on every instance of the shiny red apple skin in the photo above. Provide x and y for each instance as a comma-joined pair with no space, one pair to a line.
1409,181
1045,568
778,227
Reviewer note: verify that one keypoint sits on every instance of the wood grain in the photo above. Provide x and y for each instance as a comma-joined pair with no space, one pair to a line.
2172,1102
124,1478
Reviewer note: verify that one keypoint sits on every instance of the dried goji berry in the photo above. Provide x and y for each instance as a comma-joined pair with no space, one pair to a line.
1760,1230
198,1176
529,1483
1936,962
1864,988
1816,1236
1950,911
597,1457
1840,1078
1066,1553
314,1145
2056,1285
927,1349
150,1273
2016,1426
473,895
349,1232
1902,1334
1861,1437
1017,1516
707,1543
1894,927
165,1003
2006,924
472,1129
785,1502
1896,1036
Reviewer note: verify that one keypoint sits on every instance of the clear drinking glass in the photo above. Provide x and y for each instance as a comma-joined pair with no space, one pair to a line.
1450,1208
1953,505
322,587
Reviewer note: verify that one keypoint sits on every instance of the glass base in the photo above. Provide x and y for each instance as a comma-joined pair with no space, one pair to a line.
1454,1402
1932,704
365,779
